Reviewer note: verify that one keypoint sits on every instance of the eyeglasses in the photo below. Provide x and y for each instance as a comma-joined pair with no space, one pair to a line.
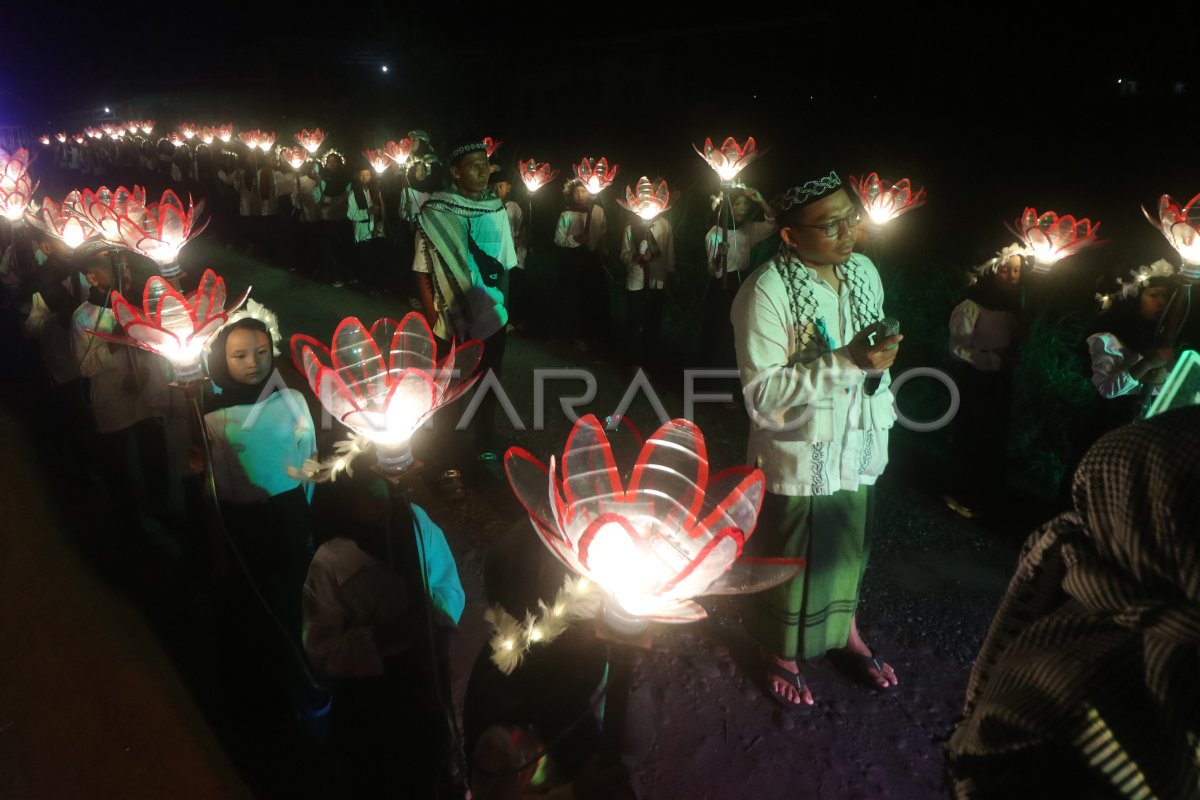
832,228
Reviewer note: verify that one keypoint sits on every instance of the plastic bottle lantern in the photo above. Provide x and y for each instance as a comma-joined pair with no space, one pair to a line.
385,381
730,159
884,203
596,174
1049,238
309,140
1177,224
160,230
16,185
670,533
649,199
535,175
174,325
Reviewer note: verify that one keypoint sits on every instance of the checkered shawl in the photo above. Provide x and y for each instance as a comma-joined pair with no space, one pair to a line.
1095,650
810,328
447,219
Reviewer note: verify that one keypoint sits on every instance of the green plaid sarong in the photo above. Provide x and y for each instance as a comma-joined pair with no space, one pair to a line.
810,614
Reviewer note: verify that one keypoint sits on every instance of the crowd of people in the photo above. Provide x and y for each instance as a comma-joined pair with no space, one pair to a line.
791,302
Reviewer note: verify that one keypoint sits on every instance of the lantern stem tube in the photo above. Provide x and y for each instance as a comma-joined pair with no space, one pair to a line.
621,622
395,459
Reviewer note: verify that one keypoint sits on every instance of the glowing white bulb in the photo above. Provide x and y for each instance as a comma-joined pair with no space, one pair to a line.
385,69
73,234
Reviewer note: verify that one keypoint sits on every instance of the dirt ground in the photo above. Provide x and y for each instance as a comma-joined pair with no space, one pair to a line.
928,597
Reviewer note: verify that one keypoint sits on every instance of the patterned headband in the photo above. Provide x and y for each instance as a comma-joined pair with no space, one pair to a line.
806,193
992,265
463,149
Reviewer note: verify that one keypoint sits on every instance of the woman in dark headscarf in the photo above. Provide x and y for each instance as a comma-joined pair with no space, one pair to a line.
986,332
257,430
1129,348
1088,684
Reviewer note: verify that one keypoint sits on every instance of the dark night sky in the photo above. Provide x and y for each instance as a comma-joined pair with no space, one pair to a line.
67,63
1006,109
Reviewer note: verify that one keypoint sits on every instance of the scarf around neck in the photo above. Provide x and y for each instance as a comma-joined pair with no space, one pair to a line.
458,262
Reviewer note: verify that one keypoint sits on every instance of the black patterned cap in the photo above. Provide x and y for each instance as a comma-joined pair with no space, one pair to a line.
805,194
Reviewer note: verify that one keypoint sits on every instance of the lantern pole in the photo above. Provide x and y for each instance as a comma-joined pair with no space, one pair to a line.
407,560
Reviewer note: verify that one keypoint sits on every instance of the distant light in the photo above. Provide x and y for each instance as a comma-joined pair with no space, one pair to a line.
385,68
1119,81
1180,87
106,111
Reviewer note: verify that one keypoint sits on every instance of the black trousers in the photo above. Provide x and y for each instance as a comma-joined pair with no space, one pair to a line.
645,324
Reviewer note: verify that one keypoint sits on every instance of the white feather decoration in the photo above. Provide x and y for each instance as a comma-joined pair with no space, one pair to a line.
511,639
321,470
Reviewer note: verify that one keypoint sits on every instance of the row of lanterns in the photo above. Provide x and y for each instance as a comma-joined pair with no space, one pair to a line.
652,543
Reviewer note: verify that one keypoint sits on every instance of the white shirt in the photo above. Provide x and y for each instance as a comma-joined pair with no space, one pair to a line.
491,234
303,199
349,594
979,335
813,430
740,241
54,340
515,218
571,224
118,399
253,446
654,274
1111,362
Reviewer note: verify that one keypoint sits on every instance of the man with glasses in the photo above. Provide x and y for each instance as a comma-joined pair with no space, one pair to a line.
813,358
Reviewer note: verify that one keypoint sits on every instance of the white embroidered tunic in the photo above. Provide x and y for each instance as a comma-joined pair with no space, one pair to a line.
814,430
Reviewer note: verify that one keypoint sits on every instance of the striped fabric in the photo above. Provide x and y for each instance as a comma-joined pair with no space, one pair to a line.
1094,655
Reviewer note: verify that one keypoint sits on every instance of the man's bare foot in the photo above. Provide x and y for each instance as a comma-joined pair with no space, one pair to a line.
787,690
883,676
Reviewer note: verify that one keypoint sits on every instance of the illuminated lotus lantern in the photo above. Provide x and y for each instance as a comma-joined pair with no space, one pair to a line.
225,131
62,137
109,129
669,533
535,175
649,199
730,158
16,185
249,138
91,133
1049,238
492,145
207,134
293,156
103,208
266,140
1181,229
399,151
160,230
385,381
62,220
176,326
378,159
176,138
884,203
147,126
596,175
309,140
132,126
44,140
189,129
78,138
